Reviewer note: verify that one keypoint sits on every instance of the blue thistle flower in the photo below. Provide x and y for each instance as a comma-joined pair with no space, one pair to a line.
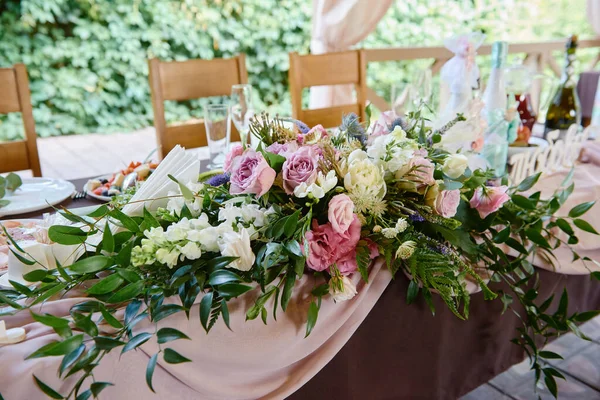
399,122
218,180
416,217
301,126
440,248
353,128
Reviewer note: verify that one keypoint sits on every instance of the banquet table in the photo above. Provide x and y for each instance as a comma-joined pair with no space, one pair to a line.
391,351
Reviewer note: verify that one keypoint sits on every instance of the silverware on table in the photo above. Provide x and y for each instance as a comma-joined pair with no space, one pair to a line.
79,195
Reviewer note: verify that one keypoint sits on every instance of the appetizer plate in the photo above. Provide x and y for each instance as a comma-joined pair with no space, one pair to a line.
37,194
91,194
21,223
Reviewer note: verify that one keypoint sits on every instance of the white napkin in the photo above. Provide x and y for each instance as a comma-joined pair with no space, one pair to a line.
184,167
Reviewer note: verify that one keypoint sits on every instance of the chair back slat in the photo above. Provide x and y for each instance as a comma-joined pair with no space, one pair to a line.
347,67
186,80
15,97
9,98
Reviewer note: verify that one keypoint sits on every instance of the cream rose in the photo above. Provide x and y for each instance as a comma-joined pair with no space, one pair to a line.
455,165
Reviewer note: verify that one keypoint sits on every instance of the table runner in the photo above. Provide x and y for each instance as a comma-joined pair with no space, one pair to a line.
421,355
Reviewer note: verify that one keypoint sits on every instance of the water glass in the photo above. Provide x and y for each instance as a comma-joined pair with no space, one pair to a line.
217,121
242,109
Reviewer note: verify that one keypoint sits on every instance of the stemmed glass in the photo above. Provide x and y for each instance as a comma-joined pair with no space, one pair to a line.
217,121
242,109
408,97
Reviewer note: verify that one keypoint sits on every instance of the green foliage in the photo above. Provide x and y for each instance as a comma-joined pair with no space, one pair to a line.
87,59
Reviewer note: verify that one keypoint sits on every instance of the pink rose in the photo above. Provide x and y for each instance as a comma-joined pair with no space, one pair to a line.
421,171
300,166
348,265
284,149
250,173
381,127
490,200
447,202
326,246
340,212
235,151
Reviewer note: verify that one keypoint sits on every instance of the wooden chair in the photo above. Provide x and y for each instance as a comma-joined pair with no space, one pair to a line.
186,80
15,97
347,67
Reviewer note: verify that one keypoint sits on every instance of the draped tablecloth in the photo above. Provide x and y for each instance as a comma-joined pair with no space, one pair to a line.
389,351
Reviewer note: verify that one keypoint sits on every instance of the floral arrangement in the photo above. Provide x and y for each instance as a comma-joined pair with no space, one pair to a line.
307,201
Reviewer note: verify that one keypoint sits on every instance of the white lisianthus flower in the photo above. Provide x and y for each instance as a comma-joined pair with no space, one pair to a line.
230,213
389,233
348,290
455,165
167,257
406,250
191,251
178,231
401,225
237,244
322,185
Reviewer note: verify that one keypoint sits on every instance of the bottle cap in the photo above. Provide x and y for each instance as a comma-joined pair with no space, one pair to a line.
499,52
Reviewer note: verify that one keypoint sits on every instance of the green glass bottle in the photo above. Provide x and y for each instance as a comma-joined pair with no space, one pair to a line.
564,109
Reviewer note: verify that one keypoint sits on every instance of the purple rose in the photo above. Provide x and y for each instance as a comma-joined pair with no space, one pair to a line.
300,166
284,149
250,173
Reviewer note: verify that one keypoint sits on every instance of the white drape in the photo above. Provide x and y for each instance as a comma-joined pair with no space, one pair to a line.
593,13
336,26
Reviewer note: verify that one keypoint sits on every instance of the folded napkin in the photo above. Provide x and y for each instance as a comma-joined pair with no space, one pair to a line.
184,167
590,153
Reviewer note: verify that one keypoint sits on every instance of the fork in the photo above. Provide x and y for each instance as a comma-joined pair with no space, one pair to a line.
79,195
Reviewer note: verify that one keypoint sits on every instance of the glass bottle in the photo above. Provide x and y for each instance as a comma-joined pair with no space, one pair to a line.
564,109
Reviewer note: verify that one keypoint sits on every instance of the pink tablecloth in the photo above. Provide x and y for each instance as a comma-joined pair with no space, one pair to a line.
254,361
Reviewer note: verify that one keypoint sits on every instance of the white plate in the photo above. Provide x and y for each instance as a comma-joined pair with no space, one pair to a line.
95,196
37,194
534,143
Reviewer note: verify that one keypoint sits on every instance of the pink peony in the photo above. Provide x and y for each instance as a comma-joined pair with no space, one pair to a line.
235,151
340,212
447,203
300,166
489,200
326,246
284,149
250,173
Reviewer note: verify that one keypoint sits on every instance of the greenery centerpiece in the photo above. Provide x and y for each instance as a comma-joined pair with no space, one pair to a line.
306,201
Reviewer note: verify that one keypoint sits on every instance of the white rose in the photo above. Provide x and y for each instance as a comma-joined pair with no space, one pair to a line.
348,292
167,257
191,251
364,177
455,165
237,244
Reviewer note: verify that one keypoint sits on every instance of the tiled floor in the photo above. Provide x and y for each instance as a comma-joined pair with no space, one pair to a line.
581,367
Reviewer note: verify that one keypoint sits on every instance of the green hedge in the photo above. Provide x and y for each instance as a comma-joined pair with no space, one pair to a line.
87,58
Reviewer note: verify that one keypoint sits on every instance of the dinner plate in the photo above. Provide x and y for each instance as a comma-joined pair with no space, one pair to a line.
534,143
37,194
92,194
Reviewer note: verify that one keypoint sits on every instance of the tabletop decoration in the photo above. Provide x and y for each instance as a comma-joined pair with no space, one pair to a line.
305,201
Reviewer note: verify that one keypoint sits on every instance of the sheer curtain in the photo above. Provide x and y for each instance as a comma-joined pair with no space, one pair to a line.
338,25
593,13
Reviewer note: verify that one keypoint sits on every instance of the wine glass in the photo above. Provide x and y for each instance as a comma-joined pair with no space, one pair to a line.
217,121
242,109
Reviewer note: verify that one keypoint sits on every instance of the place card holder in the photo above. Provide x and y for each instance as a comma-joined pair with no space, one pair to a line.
560,154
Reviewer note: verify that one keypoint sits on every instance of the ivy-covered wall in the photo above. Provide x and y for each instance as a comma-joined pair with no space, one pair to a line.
87,59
